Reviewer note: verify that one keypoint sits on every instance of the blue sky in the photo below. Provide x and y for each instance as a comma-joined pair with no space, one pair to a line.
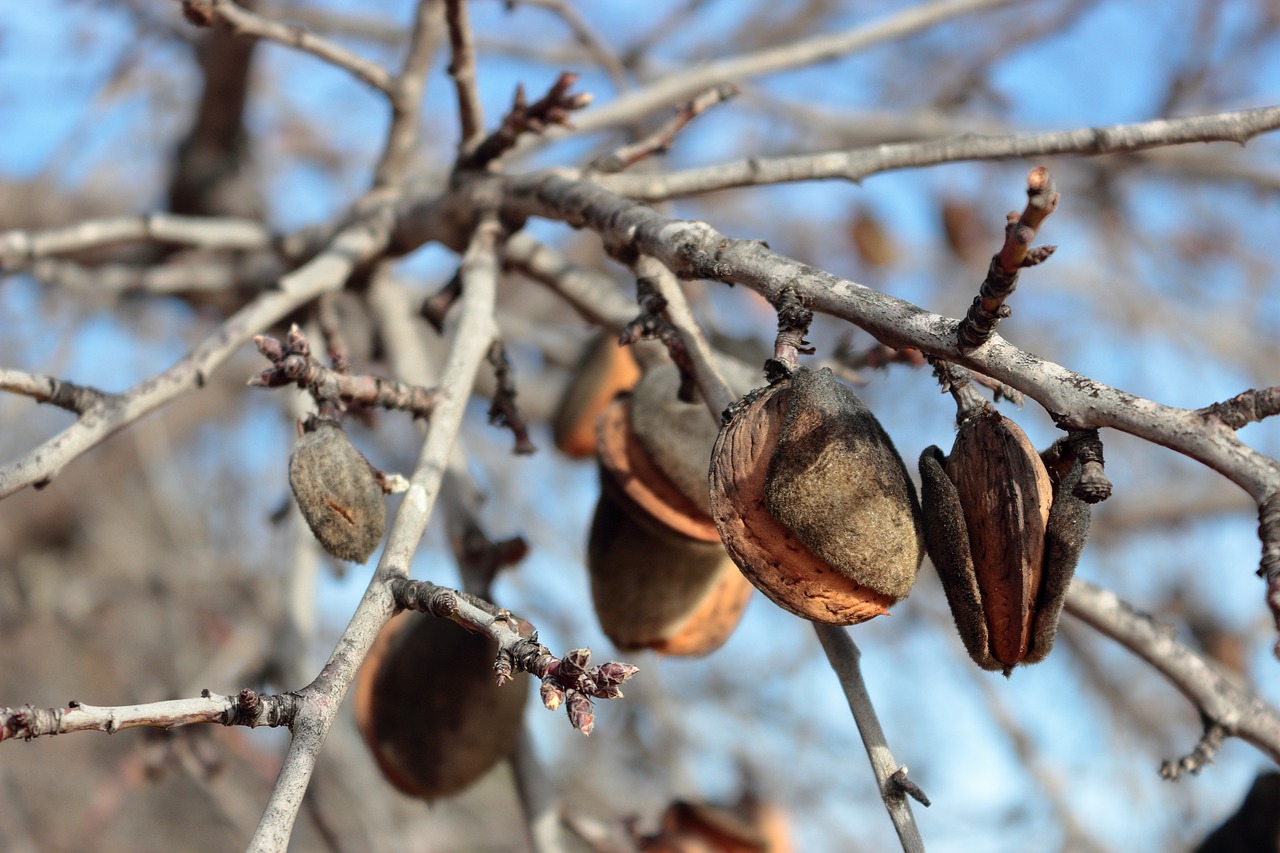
1107,66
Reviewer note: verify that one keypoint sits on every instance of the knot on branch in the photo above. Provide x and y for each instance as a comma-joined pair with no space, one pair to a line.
29,722
794,319
1246,408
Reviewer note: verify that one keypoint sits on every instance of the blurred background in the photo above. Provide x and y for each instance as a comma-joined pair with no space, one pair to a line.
170,559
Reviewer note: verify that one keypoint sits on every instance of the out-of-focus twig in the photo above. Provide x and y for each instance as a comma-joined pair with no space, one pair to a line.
1223,704
206,12
858,163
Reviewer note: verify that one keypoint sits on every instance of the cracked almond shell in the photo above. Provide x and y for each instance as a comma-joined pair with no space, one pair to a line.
813,502
429,710
660,578
606,369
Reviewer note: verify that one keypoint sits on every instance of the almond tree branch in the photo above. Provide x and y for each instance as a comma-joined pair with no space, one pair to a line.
858,163
247,708
590,40
661,139
462,68
19,248
843,655
56,392
694,249
327,271
406,95
322,698
252,24
688,81
1239,711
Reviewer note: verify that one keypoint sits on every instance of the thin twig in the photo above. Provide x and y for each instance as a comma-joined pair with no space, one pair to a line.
711,382
252,24
587,37
858,163
462,68
660,140
688,81
843,656
989,307
247,708
407,94
293,364
327,271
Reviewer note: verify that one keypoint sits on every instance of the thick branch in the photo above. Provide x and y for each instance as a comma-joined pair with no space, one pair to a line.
476,330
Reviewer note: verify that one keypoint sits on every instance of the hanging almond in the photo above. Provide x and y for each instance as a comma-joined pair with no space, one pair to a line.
605,370
429,709
660,578
337,491
814,503
1004,538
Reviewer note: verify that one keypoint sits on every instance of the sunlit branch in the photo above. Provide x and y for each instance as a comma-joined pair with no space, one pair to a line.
858,163
291,35
19,248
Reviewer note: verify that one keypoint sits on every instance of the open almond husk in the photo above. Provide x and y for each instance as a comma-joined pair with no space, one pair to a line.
429,709
660,578
1004,537
606,369
813,502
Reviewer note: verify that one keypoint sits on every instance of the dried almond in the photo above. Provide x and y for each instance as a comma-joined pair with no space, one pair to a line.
814,503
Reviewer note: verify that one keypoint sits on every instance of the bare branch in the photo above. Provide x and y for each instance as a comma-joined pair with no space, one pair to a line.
19,249
988,307
407,93
844,657
660,140
247,708
327,271
475,331
56,392
593,294
1237,710
462,68
590,40
293,364
687,82
252,24
859,163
